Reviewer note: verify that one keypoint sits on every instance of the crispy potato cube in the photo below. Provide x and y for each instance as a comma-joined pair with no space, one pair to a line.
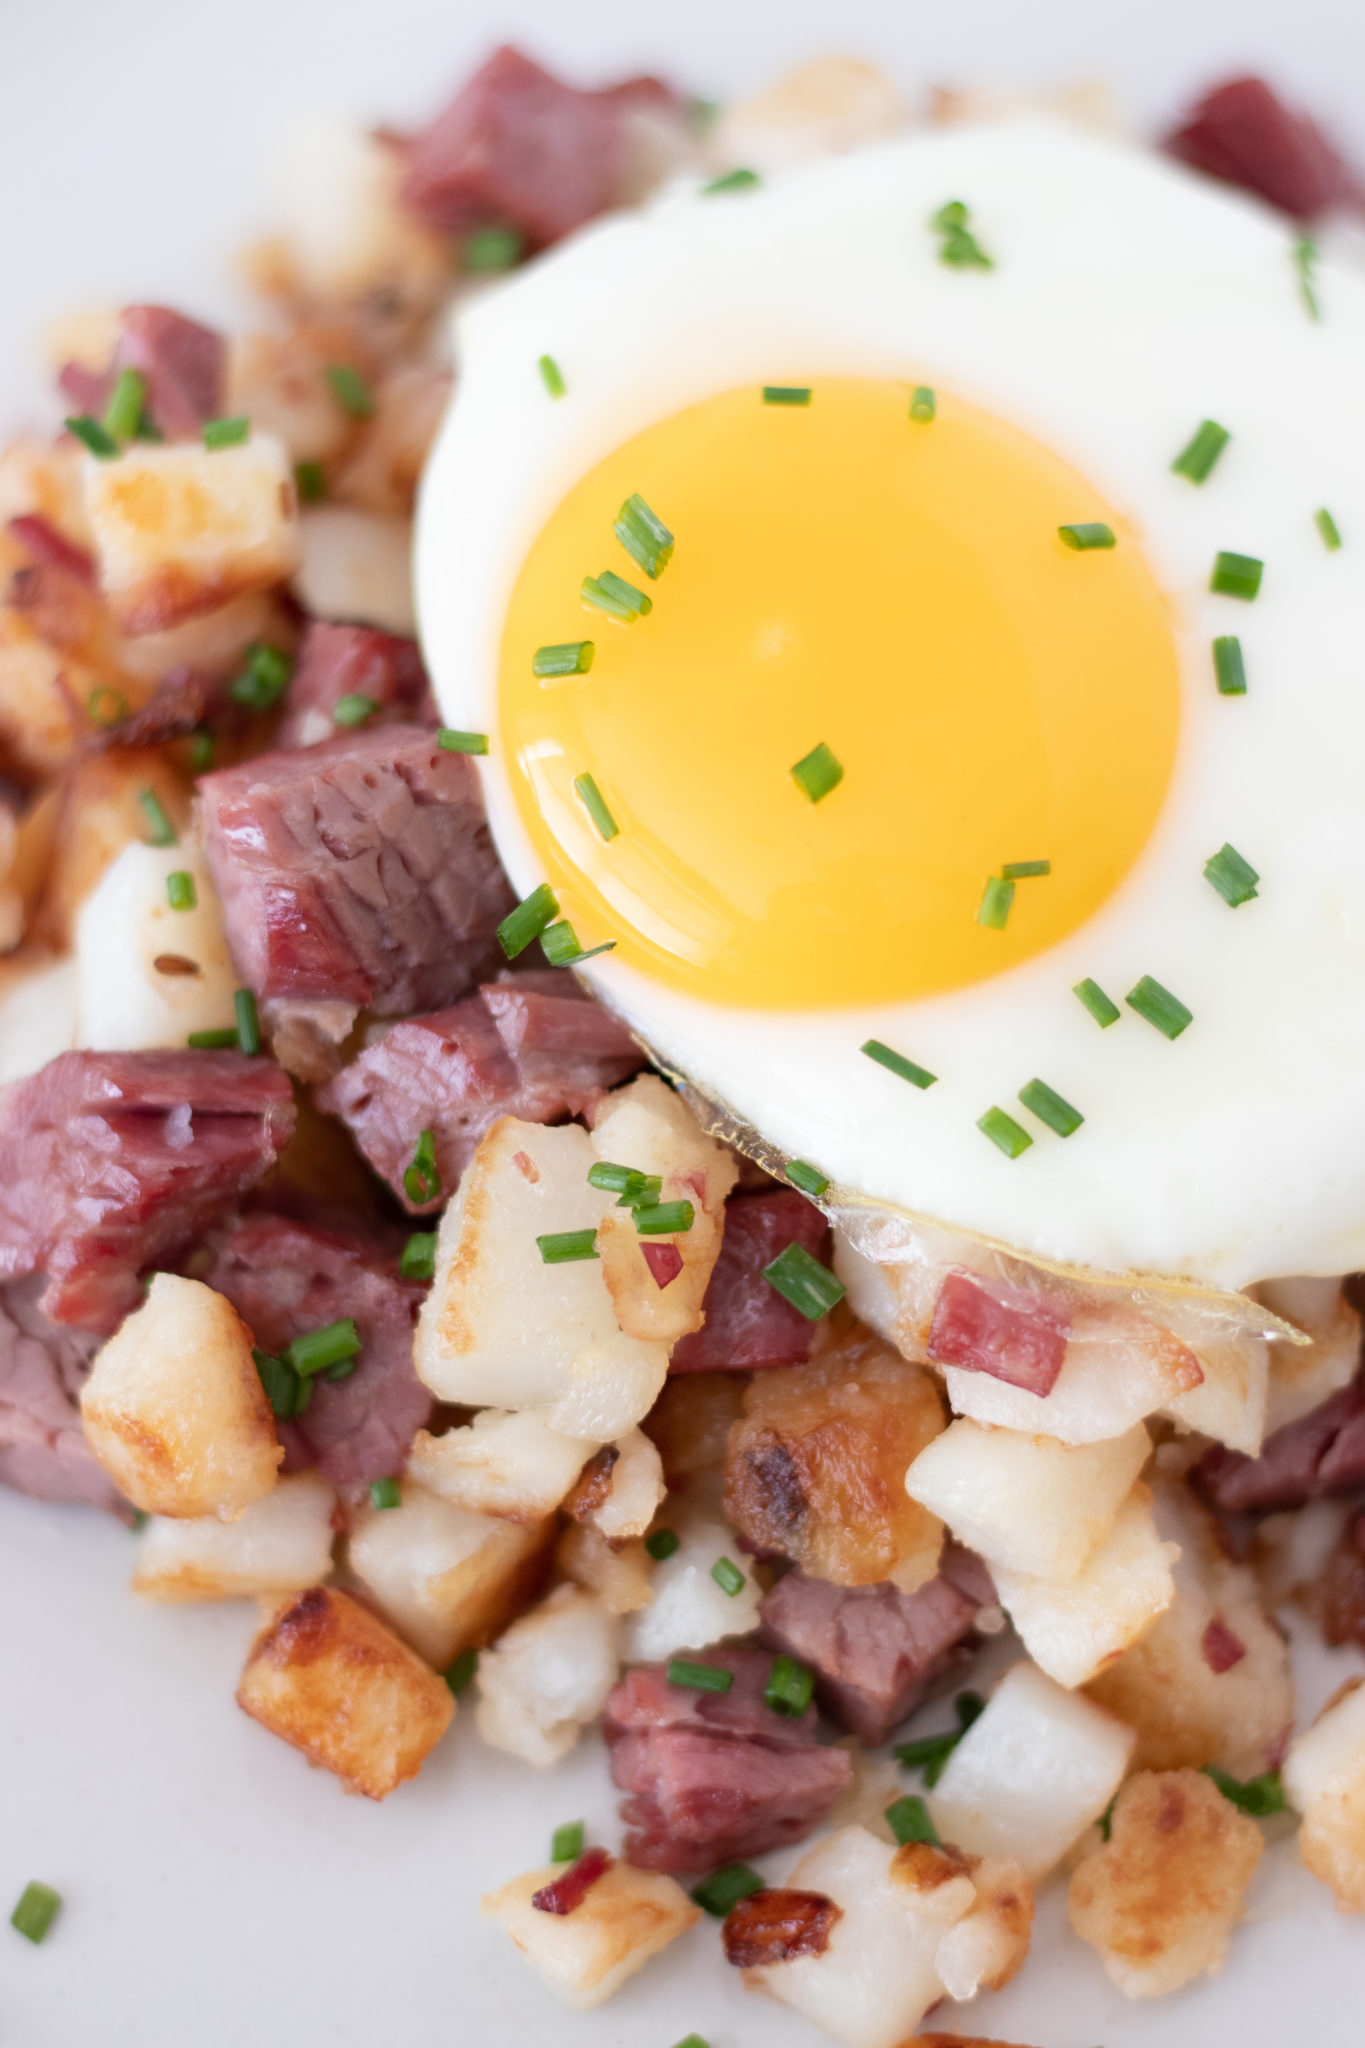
691,1422
279,382
1324,1775
1073,1627
689,1610
1026,1502
646,1126
609,1387
357,566
37,1013
279,1544
447,1580
1159,1899
382,474
548,1676
626,1917
832,104
631,1490
182,529
328,1676
100,812
345,238
620,1574
816,1468
1303,1375
501,1463
42,698
174,1409
1118,1368
148,974
1230,1402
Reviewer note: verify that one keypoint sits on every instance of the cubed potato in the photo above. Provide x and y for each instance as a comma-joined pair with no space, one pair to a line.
147,974
1324,1775
1159,1899
278,1545
1031,1773
328,1677
215,641
44,477
548,1676
626,1917
647,1127
691,1422
43,695
620,1574
831,105
181,529
1074,1627
1303,1375
279,382
1190,1704
100,812
1119,1368
37,1012
174,1409
381,474
689,1610
630,1491
1027,1503
609,1387
816,1469
1230,1402
501,1463
447,1580
356,566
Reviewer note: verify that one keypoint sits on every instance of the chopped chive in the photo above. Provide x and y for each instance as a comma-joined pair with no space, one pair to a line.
692,2041
817,773
264,679
106,706
1024,870
960,248
123,414
559,943
1104,1011
551,376
453,742
620,600
203,747
93,436
643,1193
418,1261
180,890
566,1843
923,405
1236,575
350,390
163,832
385,1493
460,1670
613,1179
790,1687
1159,1007
212,1041
565,1247
567,658
248,1023
315,1350
354,708
1201,451
699,1677
1232,876
1086,535
1011,1138
594,803
1257,1796
280,1382
723,1889
528,920
663,1219
896,1063
342,1371
1050,1108
491,248
728,1576
37,1909
1305,259
996,899
662,1544
140,1520
1228,666
930,1753
738,180
422,1179
908,1820
808,1178
1327,527
147,428
644,536
786,394
310,482
1105,1823
227,433
800,1279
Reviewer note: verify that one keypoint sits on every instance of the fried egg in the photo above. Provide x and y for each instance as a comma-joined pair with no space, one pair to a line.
942,688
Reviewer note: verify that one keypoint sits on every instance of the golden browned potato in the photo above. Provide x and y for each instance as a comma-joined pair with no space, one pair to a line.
327,1676
1324,1775
691,1422
447,1579
101,812
618,1573
276,1546
624,1918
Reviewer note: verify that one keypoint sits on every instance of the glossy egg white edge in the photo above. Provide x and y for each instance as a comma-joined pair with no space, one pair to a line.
1130,301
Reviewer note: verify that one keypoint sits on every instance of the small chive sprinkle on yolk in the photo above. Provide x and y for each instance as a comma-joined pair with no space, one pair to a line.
902,596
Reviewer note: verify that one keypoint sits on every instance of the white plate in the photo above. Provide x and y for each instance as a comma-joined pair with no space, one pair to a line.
217,1891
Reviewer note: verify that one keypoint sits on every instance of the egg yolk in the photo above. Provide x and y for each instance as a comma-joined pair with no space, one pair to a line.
895,591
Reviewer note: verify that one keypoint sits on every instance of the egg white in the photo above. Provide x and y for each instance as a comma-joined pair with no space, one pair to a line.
1130,300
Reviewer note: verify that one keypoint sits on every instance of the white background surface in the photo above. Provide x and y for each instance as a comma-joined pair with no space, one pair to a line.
217,1892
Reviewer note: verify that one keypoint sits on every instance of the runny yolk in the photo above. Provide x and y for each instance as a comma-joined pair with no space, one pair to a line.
896,590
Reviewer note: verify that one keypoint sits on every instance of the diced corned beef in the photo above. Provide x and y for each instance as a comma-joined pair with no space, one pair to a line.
87,389
714,1777
566,1892
180,702
512,1050
875,1651
1323,1452
110,1161
41,539
1244,134
1342,1589
1221,1647
748,1323
355,874
285,1278
183,364
43,1450
1016,1337
354,661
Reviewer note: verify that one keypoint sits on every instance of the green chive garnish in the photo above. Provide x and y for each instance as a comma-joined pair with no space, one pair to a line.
699,1677
566,1843
1256,1796
1159,1007
1011,1138
719,1893
93,436
566,1247
203,747
385,1493
923,405
460,1670
568,658
37,1909
248,1023
728,1576
227,433
140,1520
1024,870
620,600
800,1279
354,708
930,1753
491,249
896,1063
663,1219
551,376
310,482
692,2041
1305,260
644,536
1102,1009
790,1688
642,1192
808,1178
106,706
786,394
1105,1823
350,390
163,832
559,943
316,1350
908,1820
817,773
594,803
264,679
528,920
418,1261
1327,527
1050,1108
960,248
422,1179
1229,667
1236,575
123,414
279,1381
180,890
1087,535
613,1179
1201,451
740,180
1232,876
454,742
212,1041
994,908
662,1544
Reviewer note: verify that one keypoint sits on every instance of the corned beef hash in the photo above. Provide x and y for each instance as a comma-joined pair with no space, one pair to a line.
756,1095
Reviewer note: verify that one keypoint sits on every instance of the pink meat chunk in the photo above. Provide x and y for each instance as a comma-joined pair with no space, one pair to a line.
1016,1337
876,1651
1323,1452
711,1778
285,1278
43,1450
1244,134
353,661
183,364
509,1051
113,1161
748,1323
